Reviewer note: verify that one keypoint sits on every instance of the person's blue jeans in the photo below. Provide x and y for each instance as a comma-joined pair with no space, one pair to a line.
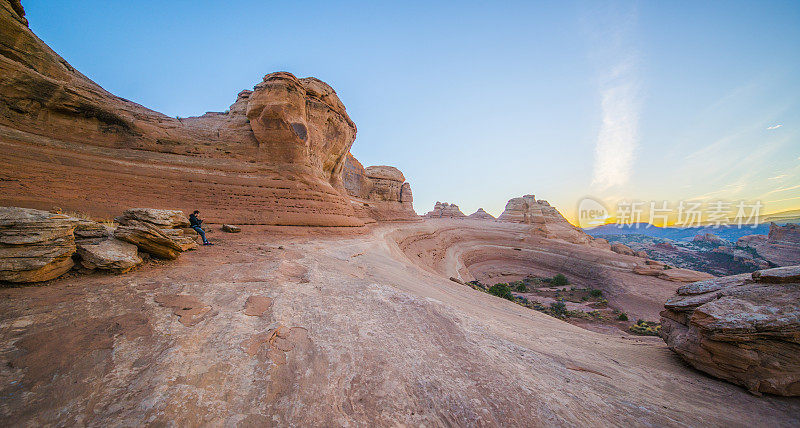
202,233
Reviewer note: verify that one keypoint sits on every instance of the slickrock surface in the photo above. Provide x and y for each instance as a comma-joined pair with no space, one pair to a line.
481,215
493,252
35,245
370,339
378,192
158,232
743,328
781,247
275,157
445,210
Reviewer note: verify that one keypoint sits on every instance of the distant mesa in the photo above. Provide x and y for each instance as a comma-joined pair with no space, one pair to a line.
481,215
781,246
445,210
275,157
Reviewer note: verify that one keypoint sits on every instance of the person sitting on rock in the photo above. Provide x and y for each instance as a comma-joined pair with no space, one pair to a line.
195,224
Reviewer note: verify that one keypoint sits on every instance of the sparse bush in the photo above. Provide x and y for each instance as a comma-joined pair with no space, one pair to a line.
558,309
595,293
520,287
501,290
559,279
622,316
646,328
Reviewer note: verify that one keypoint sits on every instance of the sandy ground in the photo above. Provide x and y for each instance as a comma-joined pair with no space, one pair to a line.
355,334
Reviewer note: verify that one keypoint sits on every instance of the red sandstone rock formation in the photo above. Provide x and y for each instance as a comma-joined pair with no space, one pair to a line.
481,215
743,328
275,157
378,192
781,247
443,209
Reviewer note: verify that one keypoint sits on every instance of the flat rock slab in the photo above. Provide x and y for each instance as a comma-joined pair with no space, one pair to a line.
778,275
257,305
189,308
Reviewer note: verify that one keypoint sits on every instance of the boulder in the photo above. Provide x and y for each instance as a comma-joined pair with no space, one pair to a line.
35,245
743,328
623,249
231,228
136,227
110,254
162,218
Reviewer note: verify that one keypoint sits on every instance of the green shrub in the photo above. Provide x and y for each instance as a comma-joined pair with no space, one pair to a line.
595,293
646,328
559,279
622,316
501,290
558,309
521,287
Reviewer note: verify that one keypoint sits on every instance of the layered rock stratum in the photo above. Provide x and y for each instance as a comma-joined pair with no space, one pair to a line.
743,328
35,245
275,157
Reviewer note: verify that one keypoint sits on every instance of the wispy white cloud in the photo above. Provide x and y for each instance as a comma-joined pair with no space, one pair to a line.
774,126
778,177
617,141
618,137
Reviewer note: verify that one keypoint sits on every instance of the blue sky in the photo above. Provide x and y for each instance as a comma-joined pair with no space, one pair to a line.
478,102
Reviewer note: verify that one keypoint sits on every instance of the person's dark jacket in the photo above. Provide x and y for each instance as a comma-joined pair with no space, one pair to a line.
194,221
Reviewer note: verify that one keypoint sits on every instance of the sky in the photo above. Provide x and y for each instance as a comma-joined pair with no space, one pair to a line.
479,102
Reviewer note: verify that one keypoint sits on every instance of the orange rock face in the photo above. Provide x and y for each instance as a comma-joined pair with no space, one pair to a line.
378,192
741,328
275,157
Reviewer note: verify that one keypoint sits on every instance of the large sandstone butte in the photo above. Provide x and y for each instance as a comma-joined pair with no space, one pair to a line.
445,210
742,328
378,192
275,157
